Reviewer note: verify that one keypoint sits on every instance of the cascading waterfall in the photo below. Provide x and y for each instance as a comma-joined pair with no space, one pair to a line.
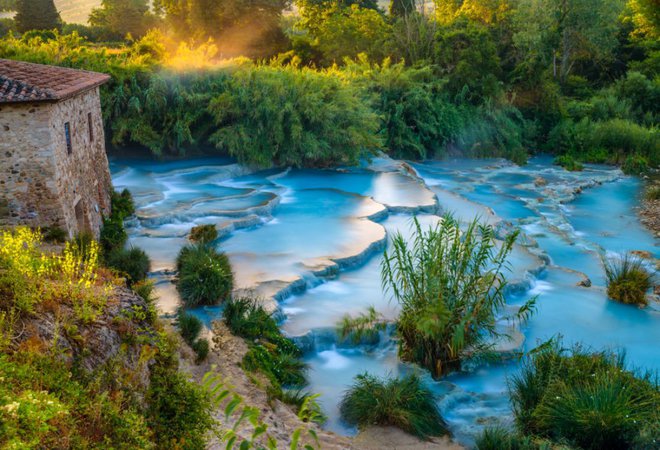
309,243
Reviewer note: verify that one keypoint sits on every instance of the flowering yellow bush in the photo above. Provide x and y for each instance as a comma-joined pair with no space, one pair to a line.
32,276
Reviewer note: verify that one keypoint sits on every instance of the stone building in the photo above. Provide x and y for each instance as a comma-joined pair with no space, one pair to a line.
53,166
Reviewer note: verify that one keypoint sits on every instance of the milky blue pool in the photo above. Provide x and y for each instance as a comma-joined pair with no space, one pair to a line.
310,242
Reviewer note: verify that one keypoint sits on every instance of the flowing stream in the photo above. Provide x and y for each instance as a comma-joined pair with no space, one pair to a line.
310,244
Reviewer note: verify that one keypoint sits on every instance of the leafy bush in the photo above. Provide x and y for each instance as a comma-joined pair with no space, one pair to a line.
635,165
179,411
627,280
203,234
586,398
145,289
292,116
113,235
405,403
205,276
133,263
48,403
568,163
123,205
446,278
270,352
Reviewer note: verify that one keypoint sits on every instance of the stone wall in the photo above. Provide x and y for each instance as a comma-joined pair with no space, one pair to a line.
83,177
41,184
28,187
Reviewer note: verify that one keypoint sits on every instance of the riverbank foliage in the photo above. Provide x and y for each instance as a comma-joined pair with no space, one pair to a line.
628,280
450,283
337,81
48,398
584,399
205,276
404,403
270,352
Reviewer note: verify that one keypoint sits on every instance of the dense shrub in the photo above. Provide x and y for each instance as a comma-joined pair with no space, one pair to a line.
568,163
133,263
635,165
179,411
270,352
123,205
444,278
627,280
203,234
292,116
205,276
588,399
47,402
113,235
405,403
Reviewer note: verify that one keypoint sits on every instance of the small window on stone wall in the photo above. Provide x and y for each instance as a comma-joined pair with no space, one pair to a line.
67,135
91,127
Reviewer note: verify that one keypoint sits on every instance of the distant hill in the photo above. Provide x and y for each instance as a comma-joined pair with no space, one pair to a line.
76,11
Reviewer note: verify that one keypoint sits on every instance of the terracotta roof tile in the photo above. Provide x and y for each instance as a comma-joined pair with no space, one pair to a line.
27,82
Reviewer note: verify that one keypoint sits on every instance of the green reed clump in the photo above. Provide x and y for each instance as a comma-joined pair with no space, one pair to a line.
450,284
190,327
205,276
569,163
365,327
498,438
587,399
270,352
627,280
405,403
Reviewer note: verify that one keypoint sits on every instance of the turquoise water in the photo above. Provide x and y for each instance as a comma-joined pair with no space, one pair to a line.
309,243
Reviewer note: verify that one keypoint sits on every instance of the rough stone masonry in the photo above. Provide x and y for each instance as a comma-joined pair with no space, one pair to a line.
53,165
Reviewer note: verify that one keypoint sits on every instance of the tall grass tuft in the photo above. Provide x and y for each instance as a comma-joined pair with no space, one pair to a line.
627,280
450,284
270,352
405,403
588,399
205,276
363,328
499,438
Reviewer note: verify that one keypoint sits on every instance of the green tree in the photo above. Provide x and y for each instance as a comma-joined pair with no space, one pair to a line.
36,15
314,12
467,56
350,31
558,34
122,17
402,8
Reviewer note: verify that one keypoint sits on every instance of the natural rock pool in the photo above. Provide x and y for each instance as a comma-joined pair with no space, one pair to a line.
310,243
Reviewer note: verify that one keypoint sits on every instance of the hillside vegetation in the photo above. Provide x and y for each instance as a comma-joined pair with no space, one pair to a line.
334,82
